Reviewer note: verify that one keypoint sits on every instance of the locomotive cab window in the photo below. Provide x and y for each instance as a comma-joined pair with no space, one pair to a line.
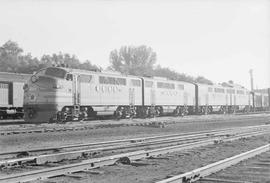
55,72
40,72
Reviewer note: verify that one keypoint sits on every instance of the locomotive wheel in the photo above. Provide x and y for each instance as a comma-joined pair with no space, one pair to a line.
145,113
223,110
118,114
182,113
204,111
177,112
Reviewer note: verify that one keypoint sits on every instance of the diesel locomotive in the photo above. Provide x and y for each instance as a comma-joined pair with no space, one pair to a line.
58,94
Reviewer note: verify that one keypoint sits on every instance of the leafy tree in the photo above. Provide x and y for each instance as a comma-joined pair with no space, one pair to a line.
203,80
88,66
66,59
9,56
133,60
28,64
139,61
168,73
13,60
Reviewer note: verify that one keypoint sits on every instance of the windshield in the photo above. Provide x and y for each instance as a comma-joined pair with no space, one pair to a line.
55,72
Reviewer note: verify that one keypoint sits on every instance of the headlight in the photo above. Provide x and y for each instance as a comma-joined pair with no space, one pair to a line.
58,86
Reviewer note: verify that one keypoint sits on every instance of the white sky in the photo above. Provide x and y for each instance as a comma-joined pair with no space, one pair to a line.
218,39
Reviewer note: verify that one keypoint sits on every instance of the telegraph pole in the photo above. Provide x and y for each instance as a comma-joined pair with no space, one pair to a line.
251,79
252,89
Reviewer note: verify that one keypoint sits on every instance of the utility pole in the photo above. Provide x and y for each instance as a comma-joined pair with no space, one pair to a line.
252,89
251,79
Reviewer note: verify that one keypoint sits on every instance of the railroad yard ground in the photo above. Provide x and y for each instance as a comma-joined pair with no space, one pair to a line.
165,166
144,170
111,130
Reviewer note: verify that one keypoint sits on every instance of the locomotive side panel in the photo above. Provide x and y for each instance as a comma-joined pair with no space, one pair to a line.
189,90
265,99
18,94
4,94
149,92
203,96
135,91
242,98
103,90
167,94
257,100
90,92
110,94
220,98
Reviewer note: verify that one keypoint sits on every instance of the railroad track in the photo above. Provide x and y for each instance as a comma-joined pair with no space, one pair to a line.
4,122
157,123
79,127
96,148
152,146
255,169
259,173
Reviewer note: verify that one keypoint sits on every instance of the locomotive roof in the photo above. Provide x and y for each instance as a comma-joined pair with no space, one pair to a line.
79,71
9,77
265,90
234,86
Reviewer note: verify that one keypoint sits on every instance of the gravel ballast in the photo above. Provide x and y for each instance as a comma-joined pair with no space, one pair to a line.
164,166
20,142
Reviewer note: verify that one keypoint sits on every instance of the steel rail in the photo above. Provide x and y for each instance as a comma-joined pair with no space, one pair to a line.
56,157
109,160
109,143
132,140
199,173
5,122
90,126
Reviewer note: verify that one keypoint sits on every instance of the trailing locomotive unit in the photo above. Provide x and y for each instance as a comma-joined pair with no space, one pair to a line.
63,94
223,99
261,99
11,94
163,96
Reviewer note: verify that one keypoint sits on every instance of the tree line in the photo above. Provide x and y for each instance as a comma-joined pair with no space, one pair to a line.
132,60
